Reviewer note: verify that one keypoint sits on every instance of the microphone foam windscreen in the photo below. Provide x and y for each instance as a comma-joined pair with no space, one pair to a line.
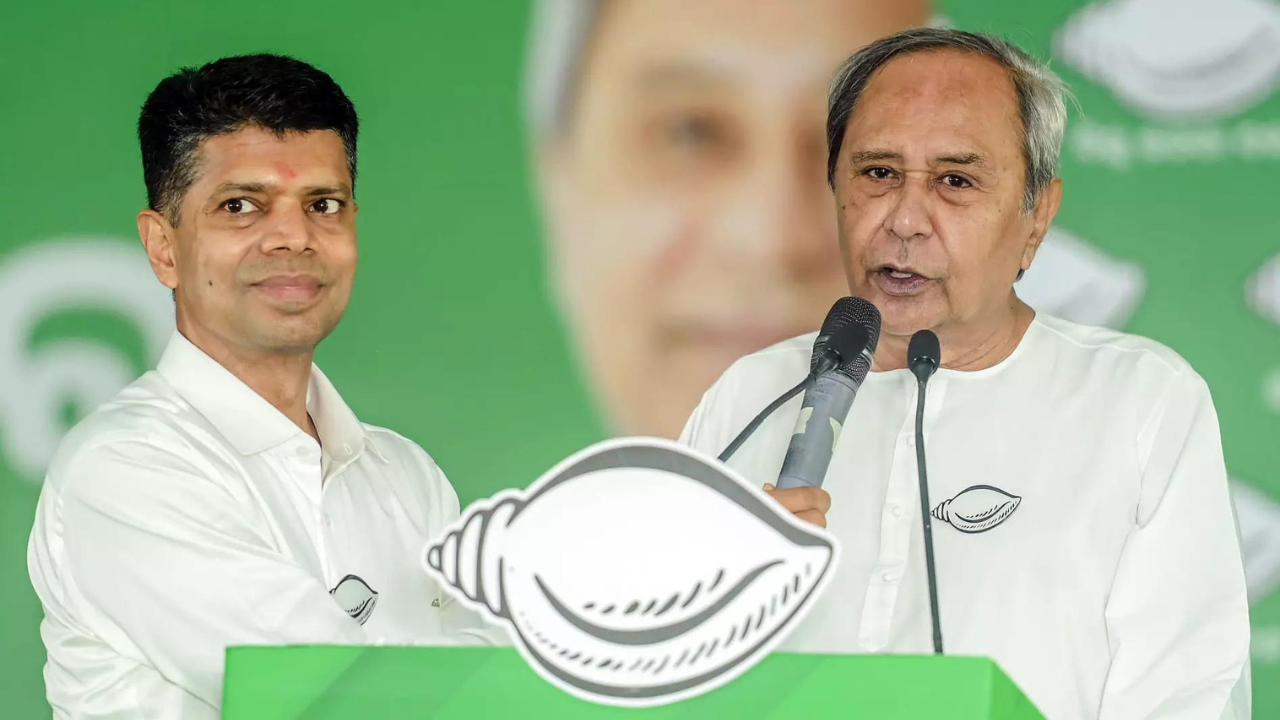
845,312
924,346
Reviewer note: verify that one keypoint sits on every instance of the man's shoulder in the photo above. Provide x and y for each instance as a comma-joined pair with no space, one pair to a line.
1124,356
146,417
420,481
397,449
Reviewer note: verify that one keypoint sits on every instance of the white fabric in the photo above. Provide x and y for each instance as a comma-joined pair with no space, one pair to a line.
1115,590
188,514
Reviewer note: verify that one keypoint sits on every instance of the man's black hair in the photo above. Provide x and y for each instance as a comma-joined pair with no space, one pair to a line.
274,92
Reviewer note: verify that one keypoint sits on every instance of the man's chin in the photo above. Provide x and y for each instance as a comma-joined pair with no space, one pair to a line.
903,315
293,335
904,320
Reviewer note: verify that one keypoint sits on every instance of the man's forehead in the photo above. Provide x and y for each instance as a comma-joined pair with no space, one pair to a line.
763,41
255,155
937,105
946,81
700,71
254,141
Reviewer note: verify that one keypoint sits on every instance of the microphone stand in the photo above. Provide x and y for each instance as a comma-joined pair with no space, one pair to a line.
928,525
924,355
764,414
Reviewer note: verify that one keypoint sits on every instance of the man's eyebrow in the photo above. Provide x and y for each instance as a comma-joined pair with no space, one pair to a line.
861,156
241,187
962,159
679,73
340,190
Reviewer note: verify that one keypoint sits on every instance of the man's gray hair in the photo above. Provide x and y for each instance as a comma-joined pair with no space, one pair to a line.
1041,96
559,32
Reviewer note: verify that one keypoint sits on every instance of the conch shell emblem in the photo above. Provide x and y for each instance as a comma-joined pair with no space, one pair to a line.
637,572
356,597
977,509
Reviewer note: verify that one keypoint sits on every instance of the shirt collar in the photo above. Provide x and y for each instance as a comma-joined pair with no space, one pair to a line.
246,419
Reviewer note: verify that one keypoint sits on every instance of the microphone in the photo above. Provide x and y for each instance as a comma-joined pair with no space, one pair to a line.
835,342
833,349
827,402
924,354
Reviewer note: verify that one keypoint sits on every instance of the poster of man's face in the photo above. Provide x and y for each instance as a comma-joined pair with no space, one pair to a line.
681,157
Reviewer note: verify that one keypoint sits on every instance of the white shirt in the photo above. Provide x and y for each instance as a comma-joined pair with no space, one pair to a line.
188,514
1113,590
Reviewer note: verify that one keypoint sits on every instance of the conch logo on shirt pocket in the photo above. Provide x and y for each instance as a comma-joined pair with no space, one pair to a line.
977,509
355,597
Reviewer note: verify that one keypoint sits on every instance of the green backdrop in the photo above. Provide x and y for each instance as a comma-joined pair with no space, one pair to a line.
451,246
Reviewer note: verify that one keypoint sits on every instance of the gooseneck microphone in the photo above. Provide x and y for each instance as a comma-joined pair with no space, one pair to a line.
827,402
924,354
840,338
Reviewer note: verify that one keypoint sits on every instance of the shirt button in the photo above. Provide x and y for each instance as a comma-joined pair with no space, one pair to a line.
346,449
895,510
889,577
328,521
911,440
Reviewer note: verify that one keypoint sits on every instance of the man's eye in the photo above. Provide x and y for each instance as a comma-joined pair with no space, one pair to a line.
239,206
693,131
327,206
956,181
878,173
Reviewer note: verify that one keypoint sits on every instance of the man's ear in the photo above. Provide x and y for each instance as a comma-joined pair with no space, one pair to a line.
1042,217
159,239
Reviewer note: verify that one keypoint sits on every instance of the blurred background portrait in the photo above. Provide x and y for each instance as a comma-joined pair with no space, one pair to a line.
680,149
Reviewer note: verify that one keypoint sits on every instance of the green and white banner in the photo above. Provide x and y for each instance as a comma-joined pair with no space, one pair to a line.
507,180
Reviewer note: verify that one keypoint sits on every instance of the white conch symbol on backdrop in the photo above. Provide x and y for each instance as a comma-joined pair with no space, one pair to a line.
1073,280
37,282
1259,519
1263,290
637,572
1178,59
977,509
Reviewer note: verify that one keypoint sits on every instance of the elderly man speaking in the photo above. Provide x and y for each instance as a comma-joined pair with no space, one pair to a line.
1111,585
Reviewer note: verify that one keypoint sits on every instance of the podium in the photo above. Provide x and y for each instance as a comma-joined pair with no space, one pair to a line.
465,683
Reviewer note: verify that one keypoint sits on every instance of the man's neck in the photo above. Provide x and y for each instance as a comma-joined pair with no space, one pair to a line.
966,349
281,379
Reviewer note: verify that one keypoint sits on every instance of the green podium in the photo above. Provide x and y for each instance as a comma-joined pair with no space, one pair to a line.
457,683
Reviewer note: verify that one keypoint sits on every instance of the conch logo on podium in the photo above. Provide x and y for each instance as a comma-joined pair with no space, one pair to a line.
637,572
1178,59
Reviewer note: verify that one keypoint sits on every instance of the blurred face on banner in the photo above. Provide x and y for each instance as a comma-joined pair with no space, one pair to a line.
263,255
930,185
689,217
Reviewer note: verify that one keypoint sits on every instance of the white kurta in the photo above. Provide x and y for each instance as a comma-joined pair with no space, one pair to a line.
1090,546
188,514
